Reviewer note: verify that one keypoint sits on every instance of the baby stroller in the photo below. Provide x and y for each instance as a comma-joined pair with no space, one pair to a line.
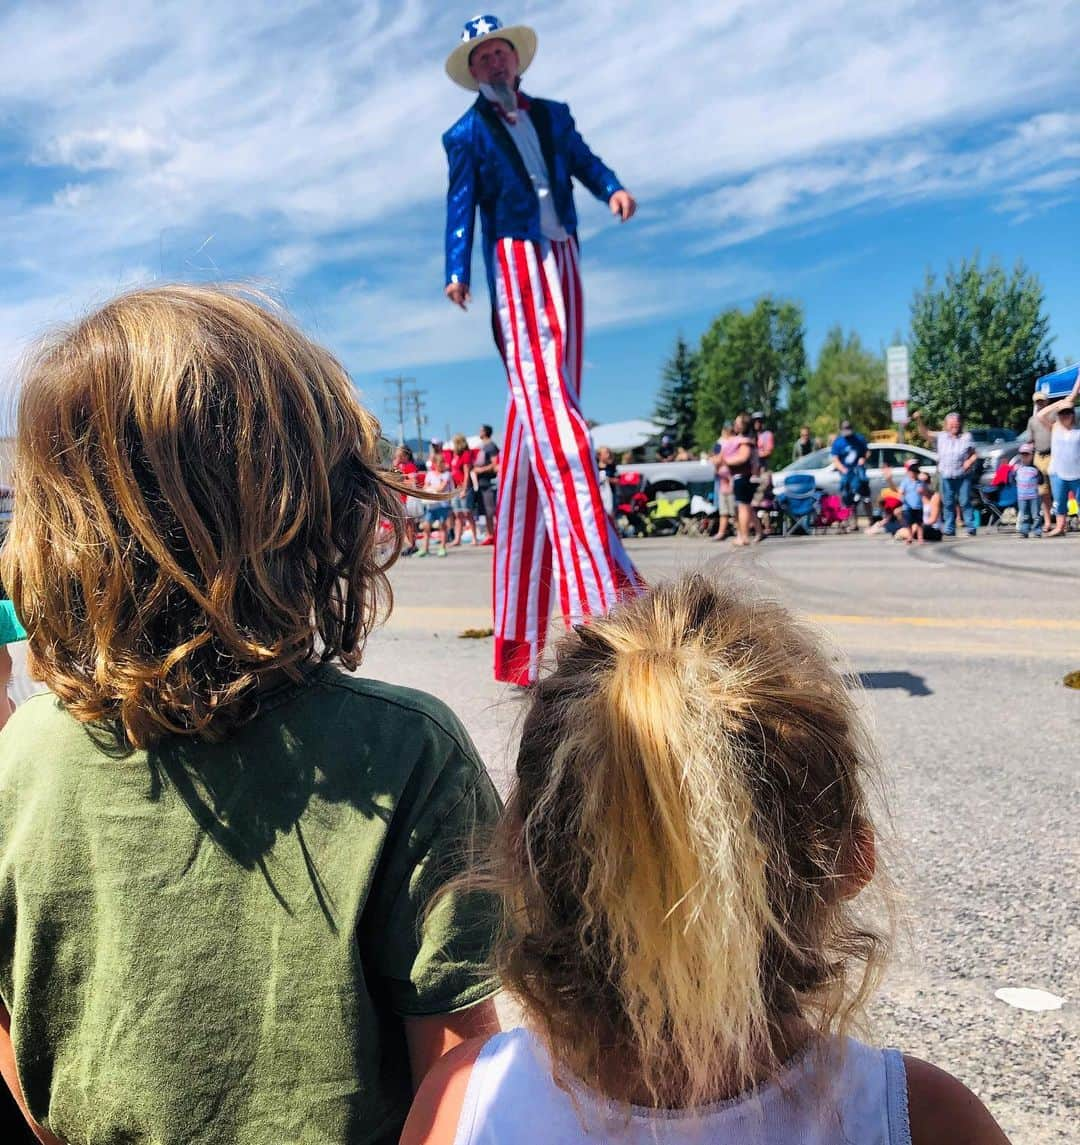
669,503
994,497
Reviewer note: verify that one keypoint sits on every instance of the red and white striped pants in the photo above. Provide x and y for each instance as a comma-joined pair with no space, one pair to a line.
552,530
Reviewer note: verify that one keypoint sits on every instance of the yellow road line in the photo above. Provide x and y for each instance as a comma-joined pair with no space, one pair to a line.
458,614
969,623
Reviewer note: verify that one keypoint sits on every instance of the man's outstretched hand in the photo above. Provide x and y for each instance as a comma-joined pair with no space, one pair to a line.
622,205
459,295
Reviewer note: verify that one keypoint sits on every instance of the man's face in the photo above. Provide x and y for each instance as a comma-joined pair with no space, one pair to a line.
495,62
952,424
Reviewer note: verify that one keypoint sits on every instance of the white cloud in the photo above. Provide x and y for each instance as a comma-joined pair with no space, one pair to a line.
298,143
1017,165
105,148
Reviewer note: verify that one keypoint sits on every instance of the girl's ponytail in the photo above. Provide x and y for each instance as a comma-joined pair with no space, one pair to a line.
687,779
678,875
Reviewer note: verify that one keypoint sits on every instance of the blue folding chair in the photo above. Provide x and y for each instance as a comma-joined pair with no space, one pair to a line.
799,503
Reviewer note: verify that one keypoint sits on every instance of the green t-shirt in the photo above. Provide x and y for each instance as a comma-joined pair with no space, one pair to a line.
216,943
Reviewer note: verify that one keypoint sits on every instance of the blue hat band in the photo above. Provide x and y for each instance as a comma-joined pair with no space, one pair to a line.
480,26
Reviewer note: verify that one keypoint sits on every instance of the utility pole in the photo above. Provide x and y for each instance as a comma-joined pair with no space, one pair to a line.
415,399
396,403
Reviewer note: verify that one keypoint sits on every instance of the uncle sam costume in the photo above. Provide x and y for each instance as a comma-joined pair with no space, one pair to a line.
552,531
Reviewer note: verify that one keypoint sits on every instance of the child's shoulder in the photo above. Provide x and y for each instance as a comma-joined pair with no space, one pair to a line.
440,1100
387,733
41,719
41,747
943,1111
394,703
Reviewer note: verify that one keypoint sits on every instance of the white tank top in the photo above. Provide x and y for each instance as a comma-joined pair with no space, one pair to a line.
1065,452
512,1098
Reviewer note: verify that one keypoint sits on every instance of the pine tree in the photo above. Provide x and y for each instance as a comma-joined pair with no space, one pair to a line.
676,404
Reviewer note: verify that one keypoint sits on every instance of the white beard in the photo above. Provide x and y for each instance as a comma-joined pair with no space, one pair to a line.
505,96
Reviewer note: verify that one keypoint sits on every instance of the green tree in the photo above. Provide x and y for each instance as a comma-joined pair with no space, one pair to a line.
848,382
676,404
748,360
978,342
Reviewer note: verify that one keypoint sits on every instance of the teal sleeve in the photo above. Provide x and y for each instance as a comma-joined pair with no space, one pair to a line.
10,628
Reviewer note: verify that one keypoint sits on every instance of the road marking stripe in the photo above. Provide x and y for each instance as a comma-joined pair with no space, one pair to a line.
965,622
457,613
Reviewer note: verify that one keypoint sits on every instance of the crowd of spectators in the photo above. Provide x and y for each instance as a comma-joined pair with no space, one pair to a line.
457,486
1044,475
930,500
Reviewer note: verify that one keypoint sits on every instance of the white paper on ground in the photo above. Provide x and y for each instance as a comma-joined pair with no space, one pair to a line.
1027,998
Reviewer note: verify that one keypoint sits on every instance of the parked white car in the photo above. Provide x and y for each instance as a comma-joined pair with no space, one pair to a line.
881,454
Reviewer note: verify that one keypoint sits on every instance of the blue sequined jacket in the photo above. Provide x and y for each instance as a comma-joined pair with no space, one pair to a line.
487,171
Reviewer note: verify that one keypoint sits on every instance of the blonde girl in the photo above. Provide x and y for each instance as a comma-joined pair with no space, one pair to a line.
678,865
216,847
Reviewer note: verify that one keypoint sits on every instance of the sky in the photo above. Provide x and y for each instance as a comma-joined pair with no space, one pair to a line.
832,151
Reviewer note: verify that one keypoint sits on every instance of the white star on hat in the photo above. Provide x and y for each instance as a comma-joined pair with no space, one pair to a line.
482,27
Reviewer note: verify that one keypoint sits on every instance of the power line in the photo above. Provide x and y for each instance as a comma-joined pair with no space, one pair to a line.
415,400
395,402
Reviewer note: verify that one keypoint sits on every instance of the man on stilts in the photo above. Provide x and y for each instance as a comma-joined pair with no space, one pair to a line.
513,157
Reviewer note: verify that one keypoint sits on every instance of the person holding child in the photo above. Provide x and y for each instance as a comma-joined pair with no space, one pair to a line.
722,483
679,863
739,454
218,849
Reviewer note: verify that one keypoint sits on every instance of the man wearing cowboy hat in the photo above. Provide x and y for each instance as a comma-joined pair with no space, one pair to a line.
513,157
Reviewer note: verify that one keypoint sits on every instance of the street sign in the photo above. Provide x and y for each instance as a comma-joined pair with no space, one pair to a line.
896,371
899,413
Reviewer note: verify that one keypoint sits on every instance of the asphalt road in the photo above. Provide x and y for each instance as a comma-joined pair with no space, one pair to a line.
961,649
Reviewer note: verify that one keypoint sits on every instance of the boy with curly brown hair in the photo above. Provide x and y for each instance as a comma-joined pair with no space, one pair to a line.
217,848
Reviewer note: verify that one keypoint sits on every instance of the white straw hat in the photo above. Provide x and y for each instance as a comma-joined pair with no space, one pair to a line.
476,31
